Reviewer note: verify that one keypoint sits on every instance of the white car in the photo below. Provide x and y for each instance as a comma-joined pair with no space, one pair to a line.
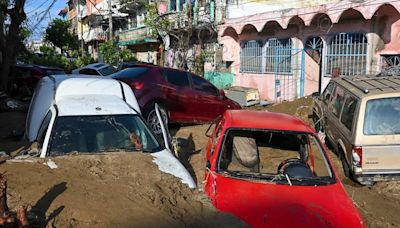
99,69
83,114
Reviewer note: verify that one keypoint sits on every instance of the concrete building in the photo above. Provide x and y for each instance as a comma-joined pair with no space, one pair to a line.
288,49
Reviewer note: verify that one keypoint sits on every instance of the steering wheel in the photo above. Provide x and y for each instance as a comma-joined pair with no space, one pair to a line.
294,167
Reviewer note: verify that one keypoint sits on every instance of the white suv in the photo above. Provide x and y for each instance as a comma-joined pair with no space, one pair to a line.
92,115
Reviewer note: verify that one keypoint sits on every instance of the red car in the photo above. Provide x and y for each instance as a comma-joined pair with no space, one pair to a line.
271,170
183,97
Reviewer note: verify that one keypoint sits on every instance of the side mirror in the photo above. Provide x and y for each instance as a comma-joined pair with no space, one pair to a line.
221,94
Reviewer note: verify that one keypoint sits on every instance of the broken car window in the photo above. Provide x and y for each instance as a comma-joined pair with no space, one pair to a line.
275,156
91,134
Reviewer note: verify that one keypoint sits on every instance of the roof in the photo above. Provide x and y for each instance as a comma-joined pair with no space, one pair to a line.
370,85
74,105
265,120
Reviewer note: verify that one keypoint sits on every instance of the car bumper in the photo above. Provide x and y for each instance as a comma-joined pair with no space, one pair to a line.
377,177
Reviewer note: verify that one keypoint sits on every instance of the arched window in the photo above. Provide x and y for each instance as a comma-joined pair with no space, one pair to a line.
251,57
278,56
347,54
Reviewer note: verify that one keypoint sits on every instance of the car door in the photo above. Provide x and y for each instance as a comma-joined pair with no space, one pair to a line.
347,121
207,99
333,114
179,96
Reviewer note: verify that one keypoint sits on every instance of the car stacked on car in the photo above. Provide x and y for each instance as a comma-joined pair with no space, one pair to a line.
183,97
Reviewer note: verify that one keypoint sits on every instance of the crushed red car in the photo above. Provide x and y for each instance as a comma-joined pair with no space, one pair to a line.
183,96
271,170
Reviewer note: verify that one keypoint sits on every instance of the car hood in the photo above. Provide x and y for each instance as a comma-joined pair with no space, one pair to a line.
263,204
168,163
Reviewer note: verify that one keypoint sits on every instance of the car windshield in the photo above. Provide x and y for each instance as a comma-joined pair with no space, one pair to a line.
281,157
381,117
93,134
107,70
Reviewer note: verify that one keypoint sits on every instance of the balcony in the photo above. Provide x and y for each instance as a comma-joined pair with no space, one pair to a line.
94,34
136,36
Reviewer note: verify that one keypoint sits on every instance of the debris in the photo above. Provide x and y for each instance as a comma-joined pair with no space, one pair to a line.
8,219
50,163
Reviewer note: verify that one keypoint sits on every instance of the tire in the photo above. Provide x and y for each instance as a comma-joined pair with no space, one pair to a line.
152,119
346,167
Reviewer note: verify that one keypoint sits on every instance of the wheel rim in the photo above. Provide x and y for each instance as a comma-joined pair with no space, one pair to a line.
152,120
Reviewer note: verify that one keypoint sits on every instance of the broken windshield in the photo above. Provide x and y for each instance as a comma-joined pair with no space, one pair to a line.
277,156
110,133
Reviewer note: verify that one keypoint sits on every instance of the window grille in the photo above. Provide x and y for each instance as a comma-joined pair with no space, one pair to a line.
278,56
347,54
251,57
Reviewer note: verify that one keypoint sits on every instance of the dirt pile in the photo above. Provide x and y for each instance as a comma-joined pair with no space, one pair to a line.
114,190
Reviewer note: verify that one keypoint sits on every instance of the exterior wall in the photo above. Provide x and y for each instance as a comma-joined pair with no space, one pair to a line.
241,8
380,22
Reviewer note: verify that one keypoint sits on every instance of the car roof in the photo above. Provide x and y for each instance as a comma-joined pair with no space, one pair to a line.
88,105
265,120
362,86
96,65
53,89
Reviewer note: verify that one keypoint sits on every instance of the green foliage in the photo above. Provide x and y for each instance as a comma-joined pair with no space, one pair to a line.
84,60
57,33
113,55
154,21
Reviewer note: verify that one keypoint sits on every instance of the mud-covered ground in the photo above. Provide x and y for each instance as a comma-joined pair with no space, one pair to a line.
128,190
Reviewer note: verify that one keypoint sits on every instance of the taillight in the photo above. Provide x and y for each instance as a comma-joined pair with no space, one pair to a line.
137,85
356,154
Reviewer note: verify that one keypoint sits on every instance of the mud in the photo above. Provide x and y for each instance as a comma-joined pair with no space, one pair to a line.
113,190
128,190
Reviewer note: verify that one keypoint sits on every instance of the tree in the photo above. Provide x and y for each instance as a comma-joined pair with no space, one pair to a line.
113,55
11,17
57,33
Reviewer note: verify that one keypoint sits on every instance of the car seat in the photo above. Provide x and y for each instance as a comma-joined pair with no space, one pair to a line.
246,152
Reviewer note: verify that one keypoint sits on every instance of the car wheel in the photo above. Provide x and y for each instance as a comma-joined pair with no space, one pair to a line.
346,167
152,118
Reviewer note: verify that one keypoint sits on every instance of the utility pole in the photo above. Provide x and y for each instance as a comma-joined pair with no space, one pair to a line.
79,25
110,24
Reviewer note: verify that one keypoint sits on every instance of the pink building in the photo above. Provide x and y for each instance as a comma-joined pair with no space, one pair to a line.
288,49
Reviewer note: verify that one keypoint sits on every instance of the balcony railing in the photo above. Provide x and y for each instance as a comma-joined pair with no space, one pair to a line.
136,35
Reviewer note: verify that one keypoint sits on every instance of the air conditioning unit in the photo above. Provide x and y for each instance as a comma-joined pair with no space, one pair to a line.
243,95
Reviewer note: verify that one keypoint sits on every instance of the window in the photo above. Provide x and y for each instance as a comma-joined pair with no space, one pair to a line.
89,72
251,57
131,72
278,56
348,112
275,156
326,96
347,53
94,134
203,85
382,117
107,70
178,78
390,65
338,101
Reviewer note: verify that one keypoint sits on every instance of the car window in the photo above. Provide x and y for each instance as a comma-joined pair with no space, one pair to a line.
93,134
349,108
177,78
200,84
275,156
338,100
327,94
382,117
107,70
89,72
131,72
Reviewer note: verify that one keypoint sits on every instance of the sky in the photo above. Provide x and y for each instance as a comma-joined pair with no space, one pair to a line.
40,13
